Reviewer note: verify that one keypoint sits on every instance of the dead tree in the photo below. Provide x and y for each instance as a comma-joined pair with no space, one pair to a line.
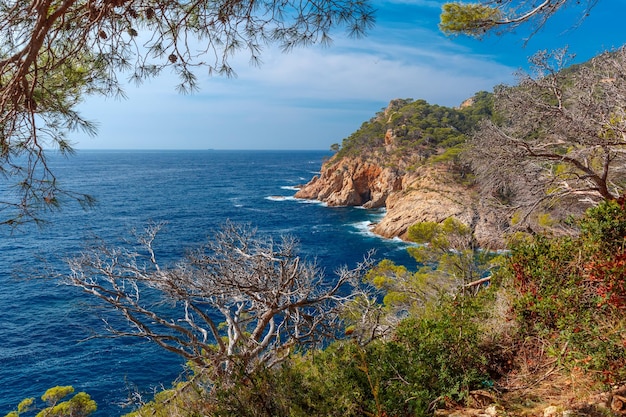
558,135
242,300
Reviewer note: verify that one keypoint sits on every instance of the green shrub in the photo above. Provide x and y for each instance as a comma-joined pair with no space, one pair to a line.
571,292
80,405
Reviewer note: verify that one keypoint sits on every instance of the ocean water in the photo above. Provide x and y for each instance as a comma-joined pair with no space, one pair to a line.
45,327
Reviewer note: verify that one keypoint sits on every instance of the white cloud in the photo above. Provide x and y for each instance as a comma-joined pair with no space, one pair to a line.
306,99
435,70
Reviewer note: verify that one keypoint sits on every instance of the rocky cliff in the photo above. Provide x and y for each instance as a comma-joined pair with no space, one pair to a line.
352,182
406,159
430,193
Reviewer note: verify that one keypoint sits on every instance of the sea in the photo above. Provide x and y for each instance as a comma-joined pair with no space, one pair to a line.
46,328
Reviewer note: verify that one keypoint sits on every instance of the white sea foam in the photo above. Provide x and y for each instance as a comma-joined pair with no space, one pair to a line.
364,228
292,198
279,198
318,202
290,188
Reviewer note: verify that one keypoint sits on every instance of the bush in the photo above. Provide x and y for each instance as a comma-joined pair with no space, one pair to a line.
439,355
571,292
80,405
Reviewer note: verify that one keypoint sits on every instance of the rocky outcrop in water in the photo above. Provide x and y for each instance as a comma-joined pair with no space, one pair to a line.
426,194
352,182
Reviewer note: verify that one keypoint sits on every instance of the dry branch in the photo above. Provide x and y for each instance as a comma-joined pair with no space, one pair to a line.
241,299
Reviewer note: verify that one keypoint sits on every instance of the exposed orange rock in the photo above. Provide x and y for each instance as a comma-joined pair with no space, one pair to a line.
426,194
389,136
352,182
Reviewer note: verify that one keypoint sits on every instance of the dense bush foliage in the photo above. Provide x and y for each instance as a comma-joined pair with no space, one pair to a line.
571,292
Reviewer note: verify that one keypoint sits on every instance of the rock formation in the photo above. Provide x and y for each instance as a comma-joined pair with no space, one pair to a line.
352,182
404,159
426,194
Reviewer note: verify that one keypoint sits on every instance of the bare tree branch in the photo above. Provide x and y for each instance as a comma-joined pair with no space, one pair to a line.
561,135
241,298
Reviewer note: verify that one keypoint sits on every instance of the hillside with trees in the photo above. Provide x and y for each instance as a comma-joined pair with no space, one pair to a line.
419,131
408,159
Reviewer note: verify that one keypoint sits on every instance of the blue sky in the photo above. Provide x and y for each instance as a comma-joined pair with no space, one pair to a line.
313,97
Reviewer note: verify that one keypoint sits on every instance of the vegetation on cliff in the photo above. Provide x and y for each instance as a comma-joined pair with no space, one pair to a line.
462,324
408,158
416,130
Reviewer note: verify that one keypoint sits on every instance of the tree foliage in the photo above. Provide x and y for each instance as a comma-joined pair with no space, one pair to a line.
55,52
241,302
80,405
449,264
561,134
419,129
477,19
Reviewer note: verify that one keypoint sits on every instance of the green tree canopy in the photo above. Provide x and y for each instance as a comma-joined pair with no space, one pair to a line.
418,128
80,405
55,52
479,18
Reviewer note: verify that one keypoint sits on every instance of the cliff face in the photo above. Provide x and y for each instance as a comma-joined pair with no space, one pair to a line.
426,194
352,182
400,159
431,194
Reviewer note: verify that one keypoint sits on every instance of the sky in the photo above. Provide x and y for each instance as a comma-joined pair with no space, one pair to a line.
312,97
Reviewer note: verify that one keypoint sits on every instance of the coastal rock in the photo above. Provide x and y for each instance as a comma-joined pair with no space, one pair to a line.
389,137
421,199
425,194
352,182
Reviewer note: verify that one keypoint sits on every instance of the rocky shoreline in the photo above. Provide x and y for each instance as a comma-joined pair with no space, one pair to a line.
428,193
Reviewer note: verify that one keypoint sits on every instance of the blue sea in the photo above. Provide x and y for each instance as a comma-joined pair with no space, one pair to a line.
45,327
